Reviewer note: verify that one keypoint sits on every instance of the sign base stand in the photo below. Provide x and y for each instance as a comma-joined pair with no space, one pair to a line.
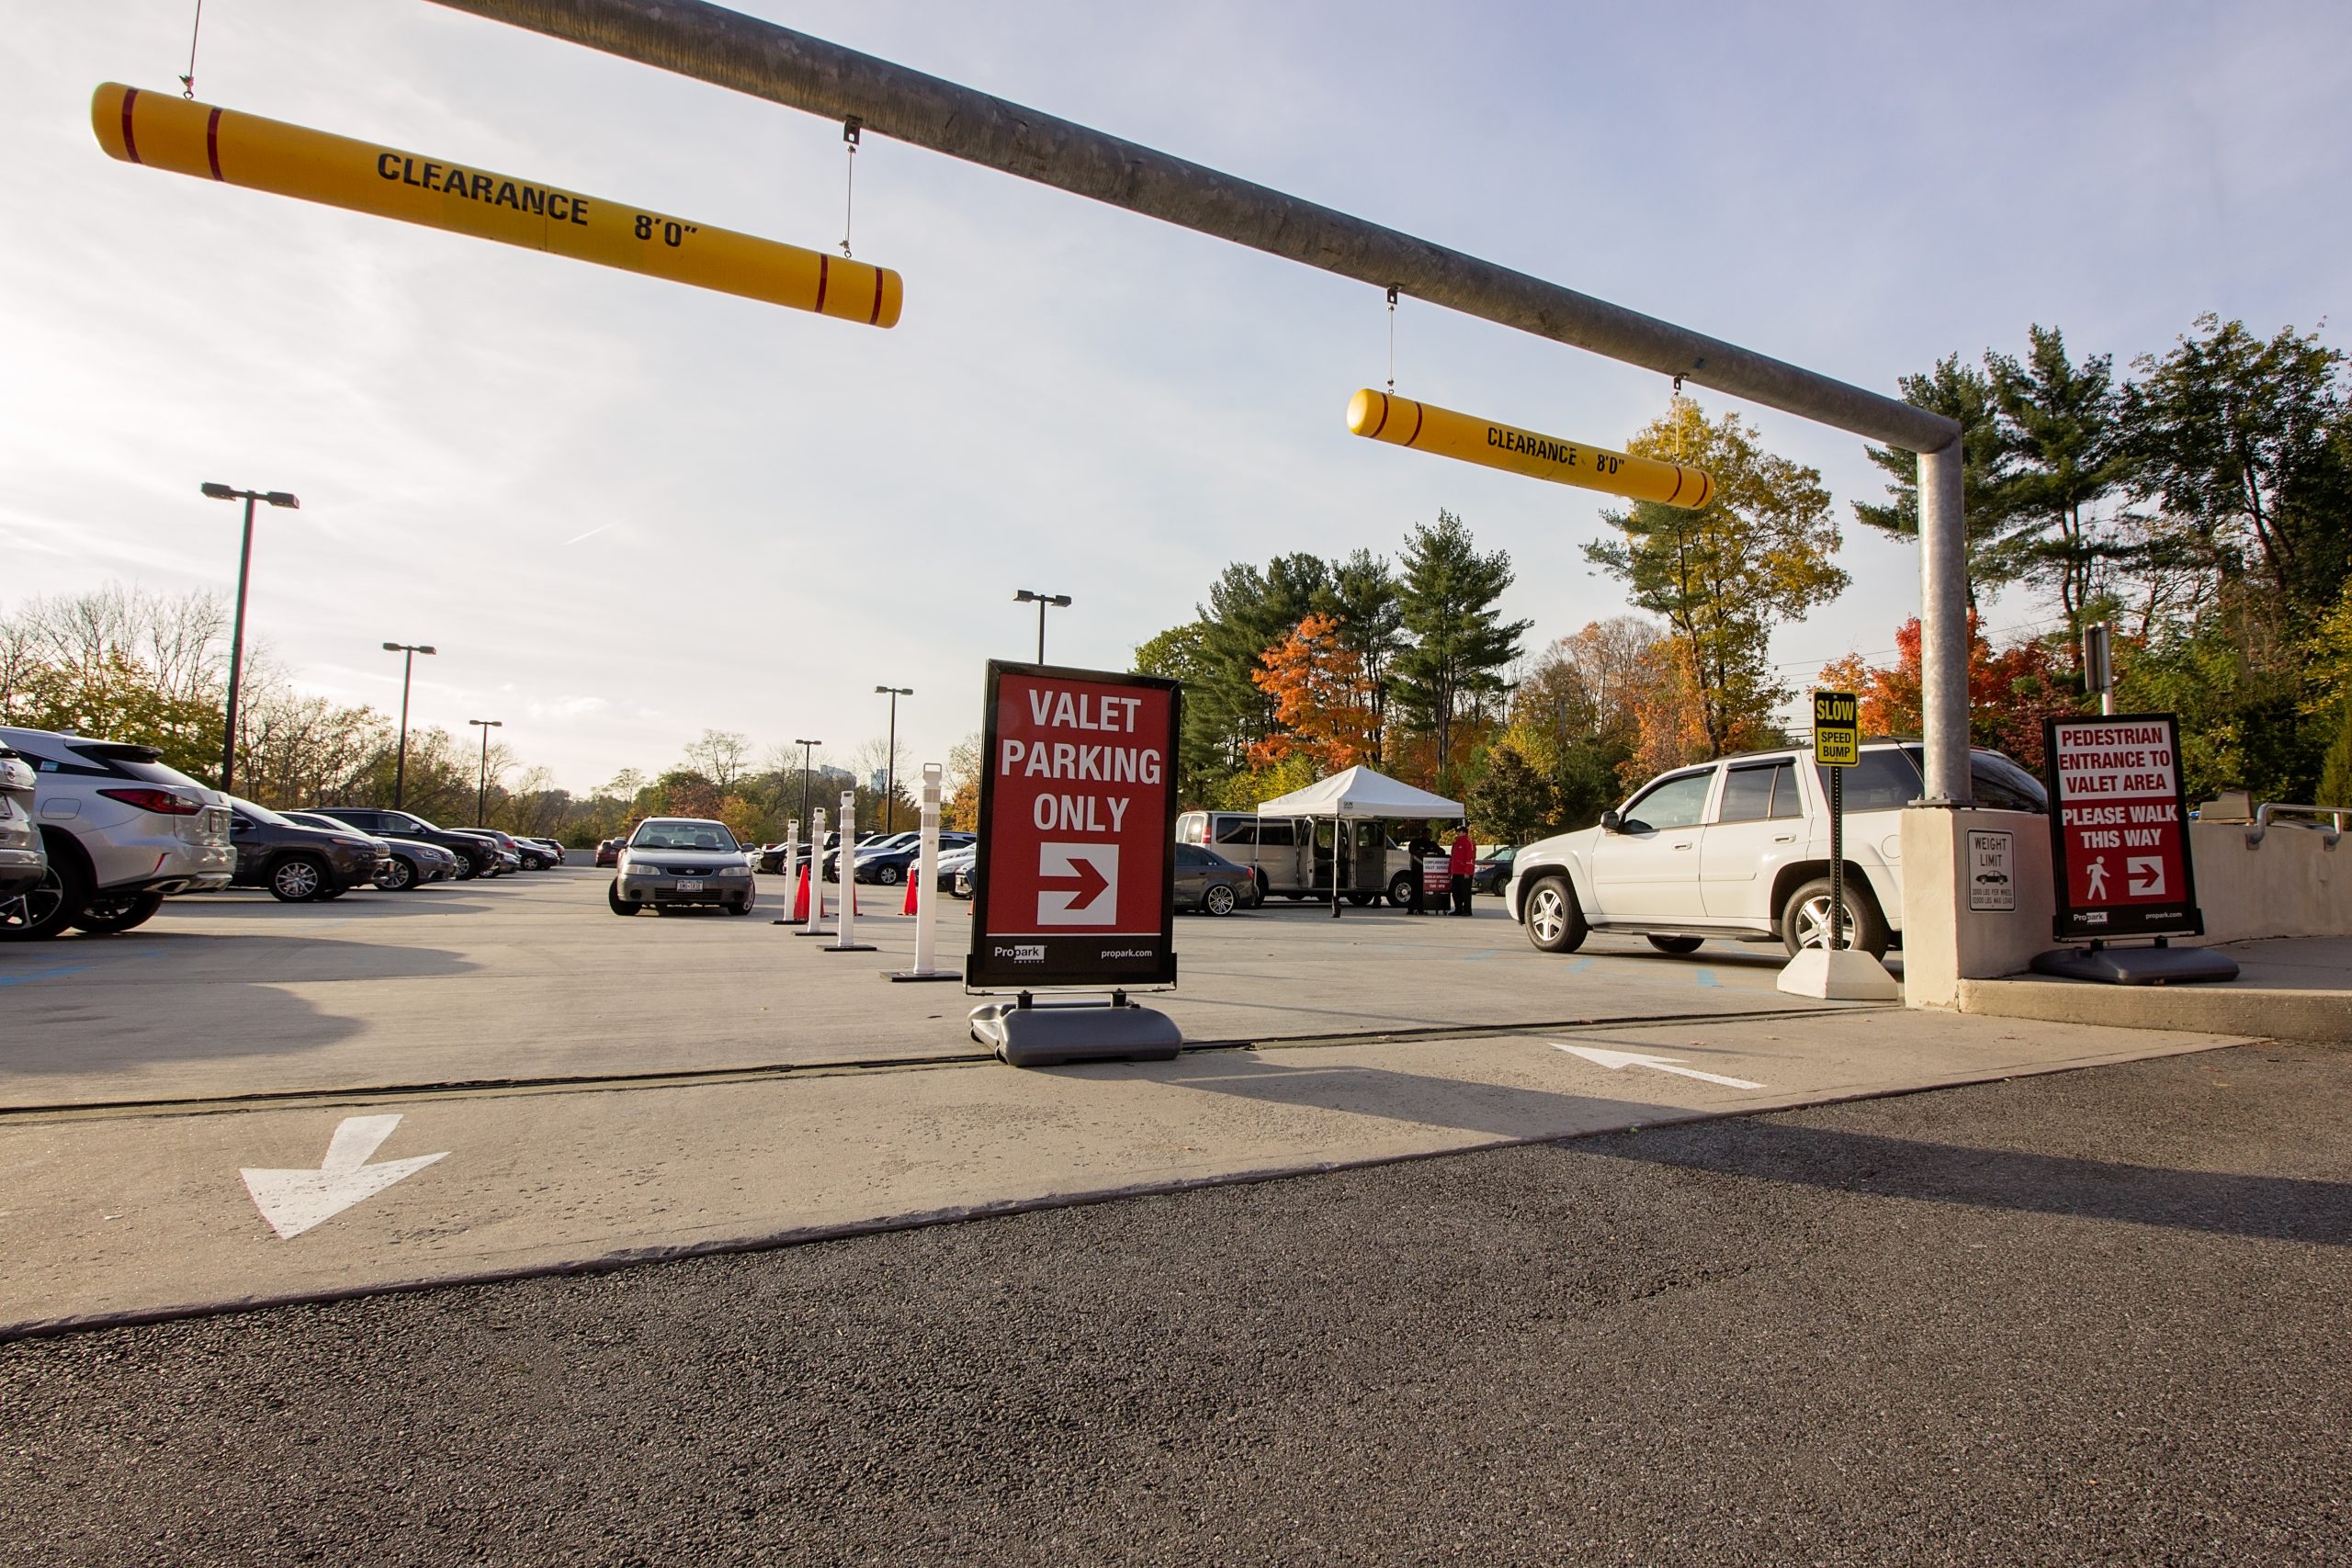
1839,974
2157,966
1030,1033
896,975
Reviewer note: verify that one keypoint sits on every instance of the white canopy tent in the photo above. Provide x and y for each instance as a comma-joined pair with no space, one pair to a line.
1359,794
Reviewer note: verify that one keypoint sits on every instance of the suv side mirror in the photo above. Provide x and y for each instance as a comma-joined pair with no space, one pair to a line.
1610,821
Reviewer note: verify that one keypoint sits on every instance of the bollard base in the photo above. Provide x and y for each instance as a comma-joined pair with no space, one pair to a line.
898,974
851,947
2137,966
1047,1035
1840,974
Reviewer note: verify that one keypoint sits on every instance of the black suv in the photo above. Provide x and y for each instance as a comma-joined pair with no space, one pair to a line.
295,863
477,855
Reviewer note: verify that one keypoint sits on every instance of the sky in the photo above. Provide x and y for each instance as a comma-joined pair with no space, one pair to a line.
628,510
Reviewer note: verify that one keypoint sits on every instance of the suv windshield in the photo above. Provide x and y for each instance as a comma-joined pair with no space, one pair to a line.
682,836
132,761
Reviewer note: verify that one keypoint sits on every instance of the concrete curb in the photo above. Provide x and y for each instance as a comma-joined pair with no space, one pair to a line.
2270,1014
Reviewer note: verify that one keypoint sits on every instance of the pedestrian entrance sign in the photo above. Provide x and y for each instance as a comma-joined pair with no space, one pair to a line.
1076,868
167,131
2119,827
1837,729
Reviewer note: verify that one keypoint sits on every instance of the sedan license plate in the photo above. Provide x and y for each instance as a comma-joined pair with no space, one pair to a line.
688,884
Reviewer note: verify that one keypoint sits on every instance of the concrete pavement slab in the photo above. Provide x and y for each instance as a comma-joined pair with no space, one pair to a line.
115,1214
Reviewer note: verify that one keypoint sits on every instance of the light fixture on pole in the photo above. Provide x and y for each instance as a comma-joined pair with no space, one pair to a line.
481,781
808,749
891,764
1030,596
408,652
237,635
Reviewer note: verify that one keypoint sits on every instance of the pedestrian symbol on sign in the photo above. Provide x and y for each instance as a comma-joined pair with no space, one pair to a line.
1078,884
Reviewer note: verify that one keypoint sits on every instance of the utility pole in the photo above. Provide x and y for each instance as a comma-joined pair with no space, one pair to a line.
408,652
481,780
890,763
1059,600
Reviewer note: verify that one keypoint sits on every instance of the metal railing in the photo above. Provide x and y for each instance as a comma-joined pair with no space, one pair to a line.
2287,816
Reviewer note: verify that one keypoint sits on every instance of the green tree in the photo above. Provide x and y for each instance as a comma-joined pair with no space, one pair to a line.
1453,668
1723,575
2062,430
1368,605
1965,395
2246,443
1181,653
1514,798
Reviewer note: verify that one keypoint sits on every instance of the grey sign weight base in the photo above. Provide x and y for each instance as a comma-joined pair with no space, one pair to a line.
1047,1035
2136,965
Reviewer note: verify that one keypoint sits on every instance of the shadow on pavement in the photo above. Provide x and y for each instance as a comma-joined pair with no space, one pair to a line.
2262,1208
1498,1110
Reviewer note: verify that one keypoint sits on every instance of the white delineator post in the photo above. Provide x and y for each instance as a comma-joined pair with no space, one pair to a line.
816,873
791,867
847,924
927,888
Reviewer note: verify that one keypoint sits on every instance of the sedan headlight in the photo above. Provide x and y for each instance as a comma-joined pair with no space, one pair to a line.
640,868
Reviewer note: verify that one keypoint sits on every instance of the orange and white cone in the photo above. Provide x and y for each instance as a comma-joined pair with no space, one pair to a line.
800,900
914,877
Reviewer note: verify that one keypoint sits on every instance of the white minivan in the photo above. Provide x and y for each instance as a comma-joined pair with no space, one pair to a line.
1739,849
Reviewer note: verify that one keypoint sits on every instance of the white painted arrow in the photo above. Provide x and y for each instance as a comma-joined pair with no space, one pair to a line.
1617,1061
294,1200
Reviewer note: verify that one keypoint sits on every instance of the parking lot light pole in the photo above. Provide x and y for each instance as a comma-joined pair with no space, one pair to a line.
890,763
408,652
1030,596
481,780
237,632
808,749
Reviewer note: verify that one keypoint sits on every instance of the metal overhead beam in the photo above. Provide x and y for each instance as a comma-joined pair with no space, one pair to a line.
727,49
733,50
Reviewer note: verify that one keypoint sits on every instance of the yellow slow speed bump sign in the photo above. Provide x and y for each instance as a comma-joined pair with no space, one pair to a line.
189,138
1425,427
1837,729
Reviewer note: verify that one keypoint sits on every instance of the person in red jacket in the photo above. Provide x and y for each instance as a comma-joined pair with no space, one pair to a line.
1462,860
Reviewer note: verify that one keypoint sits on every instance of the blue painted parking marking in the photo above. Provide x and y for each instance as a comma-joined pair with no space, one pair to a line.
49,974
1704,977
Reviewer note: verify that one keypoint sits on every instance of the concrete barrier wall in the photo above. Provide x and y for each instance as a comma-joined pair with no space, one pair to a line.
2289,885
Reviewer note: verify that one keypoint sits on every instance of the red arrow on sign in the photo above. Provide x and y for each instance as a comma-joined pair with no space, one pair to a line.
1086,883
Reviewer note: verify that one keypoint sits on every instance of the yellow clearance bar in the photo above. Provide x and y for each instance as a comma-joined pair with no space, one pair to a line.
1425,427
166,131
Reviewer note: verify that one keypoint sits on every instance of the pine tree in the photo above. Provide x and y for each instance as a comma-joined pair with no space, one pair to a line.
1452,670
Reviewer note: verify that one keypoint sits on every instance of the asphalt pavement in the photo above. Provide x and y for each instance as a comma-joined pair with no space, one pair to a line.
2097,1316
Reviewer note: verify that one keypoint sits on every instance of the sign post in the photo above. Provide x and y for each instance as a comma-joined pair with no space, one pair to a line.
2118,852
845,919
1076,866
1833,971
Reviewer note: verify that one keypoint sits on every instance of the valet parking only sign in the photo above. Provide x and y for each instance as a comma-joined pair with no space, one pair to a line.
2119,827
1076,868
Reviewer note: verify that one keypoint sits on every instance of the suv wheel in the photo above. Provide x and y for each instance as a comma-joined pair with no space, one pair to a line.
1554,920
1804,919
467,867
107,913
398,876
45,909
1400,890
297,879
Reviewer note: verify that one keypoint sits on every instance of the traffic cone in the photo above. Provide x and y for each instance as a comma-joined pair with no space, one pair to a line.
914,877
800,902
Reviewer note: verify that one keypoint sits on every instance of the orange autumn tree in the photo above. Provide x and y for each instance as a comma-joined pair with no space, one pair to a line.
2010,691
1322,698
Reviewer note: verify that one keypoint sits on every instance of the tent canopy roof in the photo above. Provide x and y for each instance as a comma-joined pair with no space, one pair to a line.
1362,794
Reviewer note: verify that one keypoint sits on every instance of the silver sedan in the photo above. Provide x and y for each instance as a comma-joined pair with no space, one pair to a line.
675,860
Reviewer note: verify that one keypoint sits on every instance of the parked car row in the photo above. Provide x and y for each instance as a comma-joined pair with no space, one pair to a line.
96,834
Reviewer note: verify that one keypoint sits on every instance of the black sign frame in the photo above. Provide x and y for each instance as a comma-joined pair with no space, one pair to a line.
1063,964
2179,918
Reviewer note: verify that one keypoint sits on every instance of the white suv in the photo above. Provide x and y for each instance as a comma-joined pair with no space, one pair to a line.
122,833
1739,849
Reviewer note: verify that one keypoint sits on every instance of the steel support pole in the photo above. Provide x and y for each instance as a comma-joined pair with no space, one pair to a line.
236,657
746,55
400,767
1943,627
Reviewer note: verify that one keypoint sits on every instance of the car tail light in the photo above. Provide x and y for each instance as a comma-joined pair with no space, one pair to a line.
162,802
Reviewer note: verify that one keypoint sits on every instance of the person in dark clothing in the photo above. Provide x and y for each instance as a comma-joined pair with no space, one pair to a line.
1423,848
1463,860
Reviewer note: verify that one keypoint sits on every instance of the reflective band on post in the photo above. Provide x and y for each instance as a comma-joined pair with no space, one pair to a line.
1381,416
190,138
